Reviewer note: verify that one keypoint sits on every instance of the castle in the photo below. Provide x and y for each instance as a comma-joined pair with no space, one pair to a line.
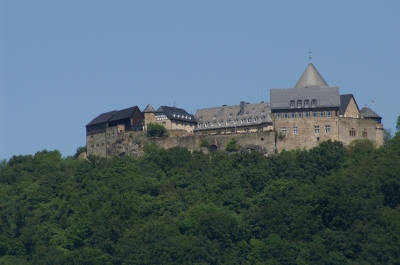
298,117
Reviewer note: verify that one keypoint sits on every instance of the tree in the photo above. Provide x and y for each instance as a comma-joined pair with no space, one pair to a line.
387,135
398,124
204,143
155,130
80,150
232,146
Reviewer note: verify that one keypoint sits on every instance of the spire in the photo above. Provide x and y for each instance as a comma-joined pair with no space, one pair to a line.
310,78
148,108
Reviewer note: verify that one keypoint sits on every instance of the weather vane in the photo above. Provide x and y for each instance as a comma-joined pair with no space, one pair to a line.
310,57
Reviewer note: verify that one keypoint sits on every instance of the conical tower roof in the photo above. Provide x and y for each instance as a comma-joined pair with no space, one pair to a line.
368,113
148,109
310,78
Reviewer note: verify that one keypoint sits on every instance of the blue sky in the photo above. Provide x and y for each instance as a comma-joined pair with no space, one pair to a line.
64,62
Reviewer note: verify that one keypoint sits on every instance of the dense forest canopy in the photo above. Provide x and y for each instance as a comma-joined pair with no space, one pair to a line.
328,205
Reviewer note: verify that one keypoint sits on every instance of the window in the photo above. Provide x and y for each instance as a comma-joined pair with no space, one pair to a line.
206,125
327,129
329,114
213,123
352,132
235,121
292,103
285,115
92,147
199,125
227,122
314,102
173,115
242,120
278,116
307,114
295,130
293,115
321,114
283,130
214,117
230,115
314,114
248,120
255,119
364,134
299,115
91,137
306,102
299,103
220,123
316,129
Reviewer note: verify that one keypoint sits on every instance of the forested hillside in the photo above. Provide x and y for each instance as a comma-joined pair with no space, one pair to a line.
329,205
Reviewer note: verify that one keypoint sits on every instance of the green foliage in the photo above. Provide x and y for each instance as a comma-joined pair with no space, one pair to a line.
204,143
79,151
328,205
232,146
155,130
398,124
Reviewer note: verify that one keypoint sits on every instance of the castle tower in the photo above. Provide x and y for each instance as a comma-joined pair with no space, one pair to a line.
149,116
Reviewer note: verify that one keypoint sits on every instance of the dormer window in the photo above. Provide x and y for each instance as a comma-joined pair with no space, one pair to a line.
214,117
292,103
213,123
230,115
227,122
173,115
306,102
299,103
220,123
314,102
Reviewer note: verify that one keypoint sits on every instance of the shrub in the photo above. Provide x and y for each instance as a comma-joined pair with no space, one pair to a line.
155,130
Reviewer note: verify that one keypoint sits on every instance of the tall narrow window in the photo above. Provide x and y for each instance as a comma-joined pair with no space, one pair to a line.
292,103
307,114
316,129
278,116
327,129
293,115
283,130
314,114
285,115
306,102
299,114
329,114
295,130
299,103
352,132
364,134
321,114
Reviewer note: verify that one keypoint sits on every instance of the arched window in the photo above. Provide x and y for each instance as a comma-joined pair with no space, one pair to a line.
299,103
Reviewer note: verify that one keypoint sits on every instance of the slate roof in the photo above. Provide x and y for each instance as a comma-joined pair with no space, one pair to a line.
368,113
224,113
124,114
310,78
344,102
102,118
149,109
176,114
325,96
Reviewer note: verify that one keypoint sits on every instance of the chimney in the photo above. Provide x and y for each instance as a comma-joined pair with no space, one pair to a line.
242,105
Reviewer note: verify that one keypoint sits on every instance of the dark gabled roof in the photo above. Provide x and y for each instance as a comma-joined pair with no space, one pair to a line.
149,109
344,102
124,114
325,96
174,113
368,113
310,78
102,118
